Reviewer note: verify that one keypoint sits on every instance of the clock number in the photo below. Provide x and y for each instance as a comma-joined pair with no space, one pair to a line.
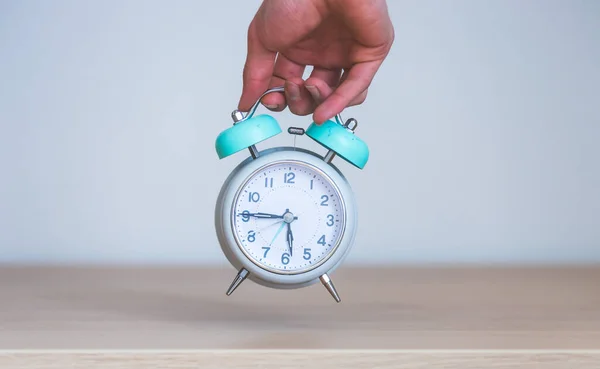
306,255
251,236
268,182
321,240
325,198
285,258
311,184
253,197
289,177
266,251
245,216
330,221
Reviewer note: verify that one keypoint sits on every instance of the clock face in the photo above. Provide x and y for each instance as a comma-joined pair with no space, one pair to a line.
288,217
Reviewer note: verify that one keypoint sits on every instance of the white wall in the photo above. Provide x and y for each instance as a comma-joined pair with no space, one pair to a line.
483,124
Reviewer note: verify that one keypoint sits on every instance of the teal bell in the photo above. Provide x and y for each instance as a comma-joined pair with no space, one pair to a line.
245,134
341,140
247,131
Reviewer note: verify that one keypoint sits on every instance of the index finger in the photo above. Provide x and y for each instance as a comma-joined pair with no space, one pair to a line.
258,70
359,79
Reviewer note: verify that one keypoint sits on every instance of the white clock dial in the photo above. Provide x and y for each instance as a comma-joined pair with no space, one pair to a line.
288,217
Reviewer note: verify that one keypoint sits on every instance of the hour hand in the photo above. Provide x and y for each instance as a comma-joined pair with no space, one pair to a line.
262,215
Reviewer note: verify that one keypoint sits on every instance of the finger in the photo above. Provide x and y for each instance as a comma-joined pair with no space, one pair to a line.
358,79
358,99
298,98
321,90
321,82
318,89
257,72
284,69
330,76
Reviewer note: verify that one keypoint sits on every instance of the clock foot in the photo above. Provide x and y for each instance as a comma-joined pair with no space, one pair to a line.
328,283
239,278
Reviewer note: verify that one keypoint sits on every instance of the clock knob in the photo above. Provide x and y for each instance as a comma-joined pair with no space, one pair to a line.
340,139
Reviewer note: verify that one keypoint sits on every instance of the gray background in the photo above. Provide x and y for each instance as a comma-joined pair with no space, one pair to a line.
483,126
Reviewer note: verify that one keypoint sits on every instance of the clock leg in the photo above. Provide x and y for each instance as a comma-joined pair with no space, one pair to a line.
328,283
253,151
329,156
239,278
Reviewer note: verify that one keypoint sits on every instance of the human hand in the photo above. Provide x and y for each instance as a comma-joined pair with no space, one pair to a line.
345,41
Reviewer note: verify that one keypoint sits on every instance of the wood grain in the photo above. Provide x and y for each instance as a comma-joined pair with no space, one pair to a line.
505,310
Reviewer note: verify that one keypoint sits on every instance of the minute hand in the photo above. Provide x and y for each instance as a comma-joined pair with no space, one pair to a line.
290,238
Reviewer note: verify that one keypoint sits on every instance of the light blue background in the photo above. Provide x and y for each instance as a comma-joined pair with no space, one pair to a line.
483,124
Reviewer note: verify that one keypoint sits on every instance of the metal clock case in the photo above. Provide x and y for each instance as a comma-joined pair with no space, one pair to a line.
286,217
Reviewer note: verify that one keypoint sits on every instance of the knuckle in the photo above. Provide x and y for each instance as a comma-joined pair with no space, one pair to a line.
300,109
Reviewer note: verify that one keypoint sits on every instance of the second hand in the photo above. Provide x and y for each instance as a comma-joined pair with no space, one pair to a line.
268,226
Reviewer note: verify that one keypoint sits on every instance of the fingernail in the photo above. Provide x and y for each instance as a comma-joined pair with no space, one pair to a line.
314,92
293,91
271,106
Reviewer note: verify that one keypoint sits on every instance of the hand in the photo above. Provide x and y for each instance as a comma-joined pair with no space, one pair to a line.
262,215
277,233
285,36
290,238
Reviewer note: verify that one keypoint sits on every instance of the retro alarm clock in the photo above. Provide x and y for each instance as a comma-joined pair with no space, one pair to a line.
286,217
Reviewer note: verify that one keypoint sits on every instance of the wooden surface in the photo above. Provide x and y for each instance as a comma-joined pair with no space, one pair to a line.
416,316
289,360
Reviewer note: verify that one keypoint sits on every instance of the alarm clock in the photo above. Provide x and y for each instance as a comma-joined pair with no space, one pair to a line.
286,217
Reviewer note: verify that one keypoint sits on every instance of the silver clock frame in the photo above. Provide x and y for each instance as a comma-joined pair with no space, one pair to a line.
234,251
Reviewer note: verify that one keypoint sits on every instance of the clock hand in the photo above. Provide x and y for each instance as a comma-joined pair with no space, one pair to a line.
262,215
267,226
277,233
290,237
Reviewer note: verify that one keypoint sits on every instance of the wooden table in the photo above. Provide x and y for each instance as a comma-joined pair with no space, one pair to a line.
403,317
